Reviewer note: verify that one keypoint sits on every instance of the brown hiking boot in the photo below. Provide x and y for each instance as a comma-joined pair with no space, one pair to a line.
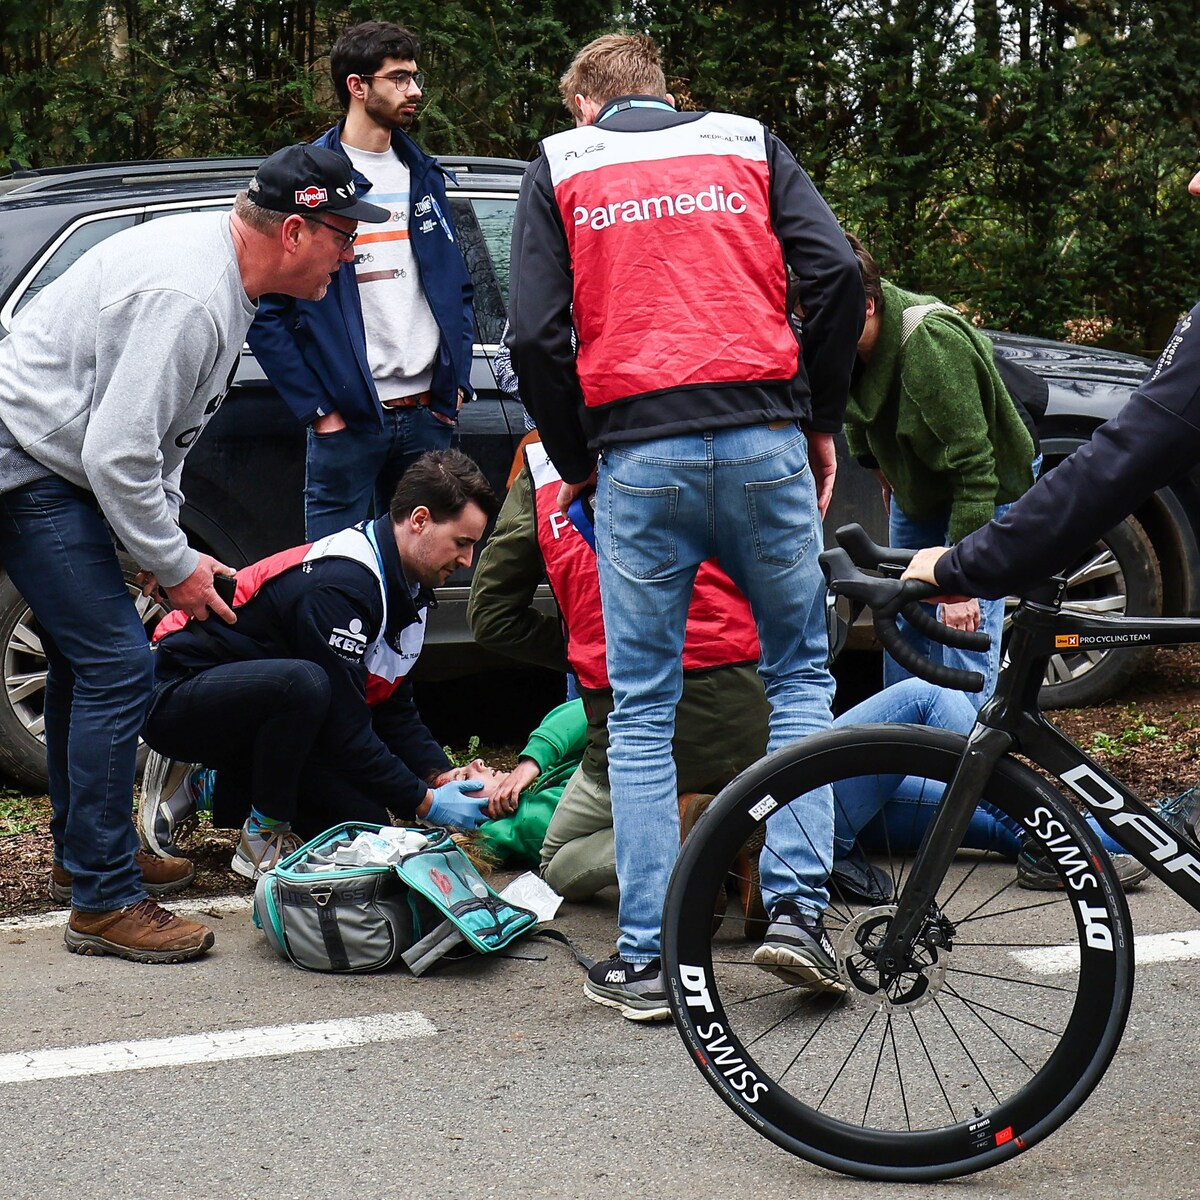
159,876
142,932
743,881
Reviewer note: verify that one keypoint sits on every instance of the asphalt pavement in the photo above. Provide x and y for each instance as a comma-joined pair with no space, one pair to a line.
497,1078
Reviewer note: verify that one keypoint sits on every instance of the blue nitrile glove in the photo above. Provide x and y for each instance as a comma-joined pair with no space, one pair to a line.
580,512
453,806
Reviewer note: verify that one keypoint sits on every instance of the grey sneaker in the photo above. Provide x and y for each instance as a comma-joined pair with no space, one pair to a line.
798,950
635,990
1036,873
168,806
1180,812
256,855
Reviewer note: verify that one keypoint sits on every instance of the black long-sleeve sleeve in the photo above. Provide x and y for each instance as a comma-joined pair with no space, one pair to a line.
541,290
830,284
349,730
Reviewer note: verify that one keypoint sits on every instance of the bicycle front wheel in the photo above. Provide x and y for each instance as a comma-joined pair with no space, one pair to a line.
1004,1017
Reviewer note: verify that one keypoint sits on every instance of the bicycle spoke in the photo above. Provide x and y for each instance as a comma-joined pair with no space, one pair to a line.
950,1029
967,1001
1050,987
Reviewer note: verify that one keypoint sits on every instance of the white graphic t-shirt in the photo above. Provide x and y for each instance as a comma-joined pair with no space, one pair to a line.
402,335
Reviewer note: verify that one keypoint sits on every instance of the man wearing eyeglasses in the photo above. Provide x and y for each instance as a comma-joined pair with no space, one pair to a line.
377,370
107,380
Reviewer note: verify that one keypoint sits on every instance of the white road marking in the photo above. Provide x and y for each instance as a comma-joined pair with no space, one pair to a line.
1149,948
214,1046
194,906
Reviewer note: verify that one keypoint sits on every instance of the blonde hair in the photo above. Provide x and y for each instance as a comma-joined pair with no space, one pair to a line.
617,64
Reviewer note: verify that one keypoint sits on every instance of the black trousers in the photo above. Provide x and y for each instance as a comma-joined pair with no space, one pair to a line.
260,724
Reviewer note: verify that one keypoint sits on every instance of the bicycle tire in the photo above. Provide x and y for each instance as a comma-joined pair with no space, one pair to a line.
999,1052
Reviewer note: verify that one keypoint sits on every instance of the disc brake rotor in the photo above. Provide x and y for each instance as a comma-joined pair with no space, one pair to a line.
922,976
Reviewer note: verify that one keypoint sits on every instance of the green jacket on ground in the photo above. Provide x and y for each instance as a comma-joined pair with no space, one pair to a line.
931,409
557,746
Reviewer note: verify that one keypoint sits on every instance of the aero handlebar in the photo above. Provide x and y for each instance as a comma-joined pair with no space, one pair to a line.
888,596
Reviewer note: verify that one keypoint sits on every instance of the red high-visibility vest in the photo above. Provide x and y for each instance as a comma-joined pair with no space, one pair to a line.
720,627
667,230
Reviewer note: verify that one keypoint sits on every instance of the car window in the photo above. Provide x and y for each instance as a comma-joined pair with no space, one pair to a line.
154,213
490,294
80,239
495,222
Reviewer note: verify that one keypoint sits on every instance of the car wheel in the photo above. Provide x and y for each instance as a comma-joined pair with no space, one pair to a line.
22,735
1119,574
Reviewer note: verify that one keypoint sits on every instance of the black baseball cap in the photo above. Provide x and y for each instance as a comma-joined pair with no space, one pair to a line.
309,180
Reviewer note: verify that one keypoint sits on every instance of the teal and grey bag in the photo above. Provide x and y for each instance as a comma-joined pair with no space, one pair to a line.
363,918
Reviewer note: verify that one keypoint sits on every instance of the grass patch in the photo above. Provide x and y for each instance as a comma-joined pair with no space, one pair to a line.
1135,733
504,758
20,813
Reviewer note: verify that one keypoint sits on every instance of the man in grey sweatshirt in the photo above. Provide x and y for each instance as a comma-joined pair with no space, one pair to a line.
106,381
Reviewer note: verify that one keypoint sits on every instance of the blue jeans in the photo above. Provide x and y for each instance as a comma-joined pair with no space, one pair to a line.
892,812
58,552
351,475
746,497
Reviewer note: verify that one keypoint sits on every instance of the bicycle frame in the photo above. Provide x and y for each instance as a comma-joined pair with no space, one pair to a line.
1012,721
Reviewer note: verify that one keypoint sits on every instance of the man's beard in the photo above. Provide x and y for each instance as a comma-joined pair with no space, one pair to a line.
389,118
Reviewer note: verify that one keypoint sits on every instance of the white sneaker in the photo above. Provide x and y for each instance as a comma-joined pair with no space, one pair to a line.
168,805
256,855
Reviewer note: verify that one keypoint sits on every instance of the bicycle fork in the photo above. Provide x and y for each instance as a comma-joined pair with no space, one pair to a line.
914,905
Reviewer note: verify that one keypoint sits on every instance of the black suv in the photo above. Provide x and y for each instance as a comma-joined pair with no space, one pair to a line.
244,480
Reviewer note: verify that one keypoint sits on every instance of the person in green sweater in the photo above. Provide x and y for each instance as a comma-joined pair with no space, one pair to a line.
522,801
930,414
548,812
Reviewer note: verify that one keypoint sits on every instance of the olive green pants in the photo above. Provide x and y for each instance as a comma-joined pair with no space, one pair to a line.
720,729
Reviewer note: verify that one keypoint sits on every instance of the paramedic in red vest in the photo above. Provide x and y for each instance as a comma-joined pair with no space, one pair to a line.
304,705
662,238
721,722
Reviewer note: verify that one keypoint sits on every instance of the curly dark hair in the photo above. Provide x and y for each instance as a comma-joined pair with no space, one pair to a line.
870,271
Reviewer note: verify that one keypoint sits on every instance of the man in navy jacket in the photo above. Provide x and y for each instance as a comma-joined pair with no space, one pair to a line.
378,369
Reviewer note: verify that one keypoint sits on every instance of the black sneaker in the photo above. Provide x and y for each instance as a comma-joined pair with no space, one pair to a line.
1036,873
635,990
854,878
798,949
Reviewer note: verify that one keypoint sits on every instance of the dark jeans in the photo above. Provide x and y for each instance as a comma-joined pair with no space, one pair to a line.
260,725
351,475
58,552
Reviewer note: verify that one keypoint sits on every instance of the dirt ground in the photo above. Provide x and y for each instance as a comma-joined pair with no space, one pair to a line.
1148,737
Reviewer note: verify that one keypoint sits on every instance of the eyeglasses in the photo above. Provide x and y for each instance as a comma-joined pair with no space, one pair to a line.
347,238
401,79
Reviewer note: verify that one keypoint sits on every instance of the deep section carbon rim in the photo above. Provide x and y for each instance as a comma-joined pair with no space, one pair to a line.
1001,1022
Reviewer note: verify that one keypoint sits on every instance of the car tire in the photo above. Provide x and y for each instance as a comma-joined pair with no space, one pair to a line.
22,745
1119,575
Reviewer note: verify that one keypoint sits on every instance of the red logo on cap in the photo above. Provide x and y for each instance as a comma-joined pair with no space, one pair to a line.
312,196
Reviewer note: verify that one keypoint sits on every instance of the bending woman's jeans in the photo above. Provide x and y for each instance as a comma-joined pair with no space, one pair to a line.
892,812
